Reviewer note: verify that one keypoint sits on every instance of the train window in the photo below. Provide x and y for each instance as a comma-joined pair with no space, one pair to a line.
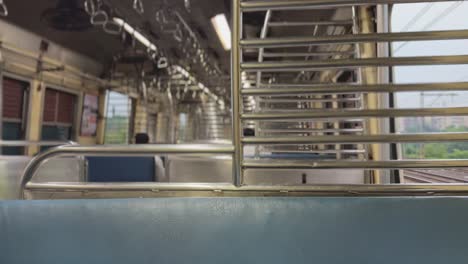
431,17
183,129
152,122
13,113
118,119
58,115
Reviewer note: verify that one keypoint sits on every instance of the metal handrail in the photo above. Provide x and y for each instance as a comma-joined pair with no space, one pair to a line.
351,139
134,150
368,113
311,23
367,165
252,6
291,89
236,86
353,63
232,188
354,38
24,143
305,54
228,189
312,115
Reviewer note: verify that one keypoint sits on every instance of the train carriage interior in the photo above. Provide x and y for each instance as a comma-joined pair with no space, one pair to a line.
158,131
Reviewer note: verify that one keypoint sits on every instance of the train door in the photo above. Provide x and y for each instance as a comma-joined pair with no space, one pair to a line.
58,122
14,109
152,120
119,119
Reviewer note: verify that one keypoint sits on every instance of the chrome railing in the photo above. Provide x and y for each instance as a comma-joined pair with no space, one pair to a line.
25,143
275,90
135,150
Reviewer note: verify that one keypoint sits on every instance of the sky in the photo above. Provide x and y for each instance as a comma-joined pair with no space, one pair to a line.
430,17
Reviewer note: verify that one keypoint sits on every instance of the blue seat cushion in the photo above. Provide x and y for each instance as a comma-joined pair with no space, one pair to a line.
121,169
235,230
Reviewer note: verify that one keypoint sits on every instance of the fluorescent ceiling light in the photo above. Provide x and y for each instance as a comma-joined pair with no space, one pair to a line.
137,35
222,29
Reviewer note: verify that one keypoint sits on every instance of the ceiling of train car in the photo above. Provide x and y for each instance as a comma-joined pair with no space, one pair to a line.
92,42
95,43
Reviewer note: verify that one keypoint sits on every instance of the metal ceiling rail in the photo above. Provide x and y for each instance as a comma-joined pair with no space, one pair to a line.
368,165
354,38
353,63
377,113
250,6
288,89
352,139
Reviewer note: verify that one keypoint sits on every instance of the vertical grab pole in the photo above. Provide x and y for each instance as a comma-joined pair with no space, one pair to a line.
236,97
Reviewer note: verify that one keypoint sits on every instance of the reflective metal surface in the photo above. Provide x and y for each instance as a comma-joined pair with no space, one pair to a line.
353,63
53,170
135,150
249,6
288,89
354,38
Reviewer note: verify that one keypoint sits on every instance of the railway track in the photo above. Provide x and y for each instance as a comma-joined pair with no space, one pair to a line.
436,176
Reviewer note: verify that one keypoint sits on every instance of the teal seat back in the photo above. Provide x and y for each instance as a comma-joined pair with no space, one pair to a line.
235,230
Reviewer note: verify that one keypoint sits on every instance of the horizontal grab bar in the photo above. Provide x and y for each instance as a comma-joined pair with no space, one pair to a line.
310,23
381,113
352,63
354,38
350,139
311,130
23,143
288,89
318,151
305,54
308,100
392,164
216,189
251,6
36,162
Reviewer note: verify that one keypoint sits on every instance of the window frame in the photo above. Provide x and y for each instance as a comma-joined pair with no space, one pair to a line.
131,115
25,116
76,115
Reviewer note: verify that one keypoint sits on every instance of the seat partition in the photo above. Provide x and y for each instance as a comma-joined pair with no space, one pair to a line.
121,169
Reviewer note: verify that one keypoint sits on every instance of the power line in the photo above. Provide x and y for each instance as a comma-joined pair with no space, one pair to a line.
418,16
442,15
445,13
